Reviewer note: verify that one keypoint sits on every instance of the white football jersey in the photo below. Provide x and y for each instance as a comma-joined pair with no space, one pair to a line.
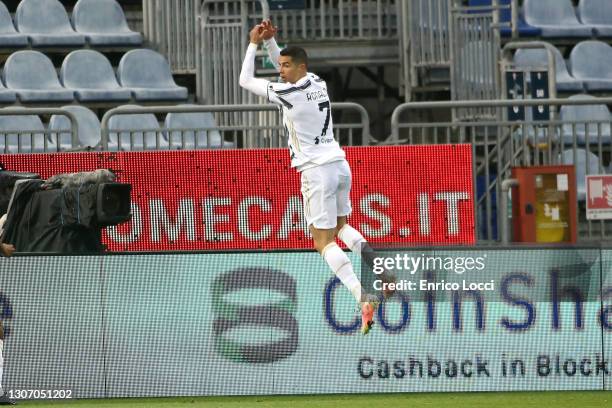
307,120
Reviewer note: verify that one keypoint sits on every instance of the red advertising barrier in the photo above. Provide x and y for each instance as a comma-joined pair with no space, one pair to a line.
250,199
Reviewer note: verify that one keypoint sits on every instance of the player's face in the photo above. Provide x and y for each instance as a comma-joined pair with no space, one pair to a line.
289,71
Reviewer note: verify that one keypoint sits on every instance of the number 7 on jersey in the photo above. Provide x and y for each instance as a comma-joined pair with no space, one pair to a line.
324,105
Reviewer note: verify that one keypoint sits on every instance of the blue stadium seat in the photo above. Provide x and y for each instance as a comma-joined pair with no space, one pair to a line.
591,121
9,37
32,76
103,23
46,24
598,14
591,62
23,134
92,77
505,16
538,58
182,138
6,95
147,74
135,132
88,126
582,168
556,18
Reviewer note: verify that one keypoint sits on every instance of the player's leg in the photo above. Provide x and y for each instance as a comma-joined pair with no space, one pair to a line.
319,187
349,235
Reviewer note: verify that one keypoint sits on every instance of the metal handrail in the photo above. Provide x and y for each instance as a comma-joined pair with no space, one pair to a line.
105,131
46,111
500,103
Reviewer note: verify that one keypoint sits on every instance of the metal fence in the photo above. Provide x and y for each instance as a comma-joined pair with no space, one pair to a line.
23,131
475,45
446,34
351,127
339,20
424,40
499,145
222,40
171,28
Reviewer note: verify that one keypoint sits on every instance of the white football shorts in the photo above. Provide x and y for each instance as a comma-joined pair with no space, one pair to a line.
326,191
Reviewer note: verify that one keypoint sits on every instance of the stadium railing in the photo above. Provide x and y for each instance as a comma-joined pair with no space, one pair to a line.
173,27
339,20
499,145
439,35
18,139
246,132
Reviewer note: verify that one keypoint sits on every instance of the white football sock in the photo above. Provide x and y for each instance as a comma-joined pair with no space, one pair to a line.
342,267
352,238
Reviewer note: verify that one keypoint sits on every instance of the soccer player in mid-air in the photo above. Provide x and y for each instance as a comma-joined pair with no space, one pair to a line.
325,173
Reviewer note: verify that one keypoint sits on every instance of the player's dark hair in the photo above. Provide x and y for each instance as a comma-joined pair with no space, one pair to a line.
297,54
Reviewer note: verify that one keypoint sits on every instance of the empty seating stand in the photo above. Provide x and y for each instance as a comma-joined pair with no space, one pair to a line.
598,14
92,77
531,58
33,78
139,131
193,131
147,74
9,37
505,16
590,124
88,128
46,24
556,19
103,23
22,134
591,62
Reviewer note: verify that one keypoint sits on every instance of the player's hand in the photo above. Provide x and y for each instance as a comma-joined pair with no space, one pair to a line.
268,29
256,34
6,249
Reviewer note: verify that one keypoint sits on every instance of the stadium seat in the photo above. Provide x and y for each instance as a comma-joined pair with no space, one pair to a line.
92,77
582,168
88,126
7,95
32,76
135,132
103,23
17,132
598,14
538,58
591,62
590,120
46,24
505,16
556,18
147,74
9,37
183,134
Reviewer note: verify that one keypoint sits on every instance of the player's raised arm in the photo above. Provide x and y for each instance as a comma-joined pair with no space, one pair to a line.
268,32
247,75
